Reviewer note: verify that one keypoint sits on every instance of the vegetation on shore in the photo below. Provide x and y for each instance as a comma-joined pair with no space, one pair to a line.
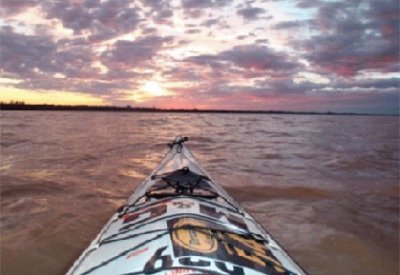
21,106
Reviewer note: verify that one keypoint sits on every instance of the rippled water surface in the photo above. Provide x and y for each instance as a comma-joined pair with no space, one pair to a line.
326,187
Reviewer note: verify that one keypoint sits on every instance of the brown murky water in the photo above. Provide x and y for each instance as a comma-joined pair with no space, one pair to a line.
326,187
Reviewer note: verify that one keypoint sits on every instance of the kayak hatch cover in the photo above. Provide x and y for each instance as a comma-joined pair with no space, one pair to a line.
180,221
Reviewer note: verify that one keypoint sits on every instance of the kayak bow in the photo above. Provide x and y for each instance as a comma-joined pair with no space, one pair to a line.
180,221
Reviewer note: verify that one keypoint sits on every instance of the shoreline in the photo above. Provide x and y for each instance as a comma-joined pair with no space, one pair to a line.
48,107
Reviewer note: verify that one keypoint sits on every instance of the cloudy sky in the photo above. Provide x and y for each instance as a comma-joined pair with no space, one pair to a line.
318,55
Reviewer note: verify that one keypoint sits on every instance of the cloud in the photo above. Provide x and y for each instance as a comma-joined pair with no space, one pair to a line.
210,22
70,64
221,77
260,58
166,13
12,7
368,84
197,8
337,87
156,4
384,16
184,74
306,4
193,31
160,10
190,4
103,20
34,56
131,54
291,24
261,41
196,4
250,13
352,38
24,54
251,60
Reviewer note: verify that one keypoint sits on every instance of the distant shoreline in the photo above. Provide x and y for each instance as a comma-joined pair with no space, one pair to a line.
49,107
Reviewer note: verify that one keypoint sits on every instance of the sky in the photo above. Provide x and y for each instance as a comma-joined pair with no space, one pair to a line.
297,55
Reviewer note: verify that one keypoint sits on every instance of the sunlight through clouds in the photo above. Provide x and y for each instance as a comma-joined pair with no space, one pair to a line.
214,53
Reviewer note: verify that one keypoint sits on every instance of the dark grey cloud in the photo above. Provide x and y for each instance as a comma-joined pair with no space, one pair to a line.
287,85
364,96
370,83
148,30
183,74
160,11
261,41
210,22
132,54
196,4
197,8
305,4
190,4
190,25
155,4
250,61
102,19
260,58
193,31
12,7
343,86
384,16
213,61
354,37
24,54
38,57
124,75
166,13
291,24
250,13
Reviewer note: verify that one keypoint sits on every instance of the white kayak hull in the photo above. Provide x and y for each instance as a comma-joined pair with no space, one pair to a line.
180,221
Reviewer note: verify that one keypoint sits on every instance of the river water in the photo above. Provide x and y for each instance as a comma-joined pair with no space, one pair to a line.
326,187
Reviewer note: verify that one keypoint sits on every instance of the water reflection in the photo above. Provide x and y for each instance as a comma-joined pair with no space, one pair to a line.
325,186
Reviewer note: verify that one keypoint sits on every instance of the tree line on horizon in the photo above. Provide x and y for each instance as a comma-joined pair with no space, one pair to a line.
21,105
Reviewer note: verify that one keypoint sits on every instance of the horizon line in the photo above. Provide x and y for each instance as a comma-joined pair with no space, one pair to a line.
21,106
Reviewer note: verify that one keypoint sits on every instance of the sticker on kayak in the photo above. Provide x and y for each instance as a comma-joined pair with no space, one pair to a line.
183,204
145,215
182,271
193,237
195,240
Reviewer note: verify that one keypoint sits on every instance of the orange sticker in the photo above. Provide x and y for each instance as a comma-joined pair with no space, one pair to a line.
137,252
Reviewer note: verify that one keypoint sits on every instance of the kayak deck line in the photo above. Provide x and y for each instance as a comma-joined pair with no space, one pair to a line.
144,205
198,217
179,196
180,221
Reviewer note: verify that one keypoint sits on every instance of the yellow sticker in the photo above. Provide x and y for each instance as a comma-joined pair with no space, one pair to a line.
199,240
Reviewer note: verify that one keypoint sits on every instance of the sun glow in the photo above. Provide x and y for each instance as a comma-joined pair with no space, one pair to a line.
149,90
154,89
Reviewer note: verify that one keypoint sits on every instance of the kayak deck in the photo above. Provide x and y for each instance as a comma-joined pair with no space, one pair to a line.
179,221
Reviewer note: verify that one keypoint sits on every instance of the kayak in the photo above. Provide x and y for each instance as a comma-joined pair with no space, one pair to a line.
180,221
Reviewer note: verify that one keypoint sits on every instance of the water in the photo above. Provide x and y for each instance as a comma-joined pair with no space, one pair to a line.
326,187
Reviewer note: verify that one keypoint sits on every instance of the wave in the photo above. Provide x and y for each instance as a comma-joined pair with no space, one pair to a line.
260,193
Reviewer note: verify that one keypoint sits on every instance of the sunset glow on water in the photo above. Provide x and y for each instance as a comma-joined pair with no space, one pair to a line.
326,187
